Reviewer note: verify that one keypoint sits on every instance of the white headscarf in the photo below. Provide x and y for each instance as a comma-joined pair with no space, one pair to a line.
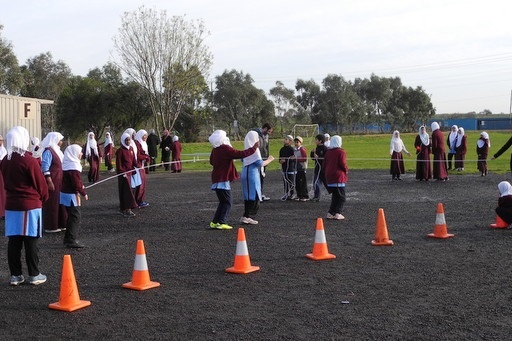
91,144
396,144
453,136
218,138
34,141
108,139
3,151
71,159
336,142
123,138
17,141
460,132
52,140
480,143
138,137
434,126
250,139
131,132
175,138
424,136
505,188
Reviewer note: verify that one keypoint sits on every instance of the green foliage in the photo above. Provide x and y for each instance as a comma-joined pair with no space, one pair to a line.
11,79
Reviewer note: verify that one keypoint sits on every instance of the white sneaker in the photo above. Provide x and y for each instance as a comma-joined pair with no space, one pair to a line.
248,221
336,216
264,198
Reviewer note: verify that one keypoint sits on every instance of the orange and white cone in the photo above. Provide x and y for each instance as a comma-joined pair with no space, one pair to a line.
140,276
499,224
242,263
69,299
320,250
381,231
440,229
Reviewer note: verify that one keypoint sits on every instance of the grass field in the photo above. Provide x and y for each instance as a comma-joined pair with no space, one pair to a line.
363,152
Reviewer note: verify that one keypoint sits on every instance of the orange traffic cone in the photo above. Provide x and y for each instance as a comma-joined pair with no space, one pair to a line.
140,276
440,229
499,224
69,300
320,251
242,261
381,231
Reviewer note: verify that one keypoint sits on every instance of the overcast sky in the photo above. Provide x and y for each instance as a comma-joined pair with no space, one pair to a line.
459,52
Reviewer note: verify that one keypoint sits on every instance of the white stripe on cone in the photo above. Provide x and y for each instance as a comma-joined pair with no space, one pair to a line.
140,263
320,237
241,248
440,219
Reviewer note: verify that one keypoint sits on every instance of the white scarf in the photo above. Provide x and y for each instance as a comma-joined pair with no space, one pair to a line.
52,141
17,141
71,159
218,138
424,136
505,188
250,139
131,132
453,136
108,140
138,137
484,137
91,144
434,126
336,142
459,137
397,145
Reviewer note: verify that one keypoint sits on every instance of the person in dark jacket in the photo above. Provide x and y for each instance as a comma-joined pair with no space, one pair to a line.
153,143
319,174
166,146
503,150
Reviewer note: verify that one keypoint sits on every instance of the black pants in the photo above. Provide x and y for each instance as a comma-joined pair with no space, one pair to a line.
301,185
14,247
289,184
337,199
152,163
251,208
73,224
224,207
450,158
504,213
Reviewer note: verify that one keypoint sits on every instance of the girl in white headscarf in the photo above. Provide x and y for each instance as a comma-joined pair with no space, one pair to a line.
93,155
142,161
397,161
450,141
26,191
72,188
251,183
3,153
336,176
223,173
108,152
504,209
126,166
460,149
54,215
423,150
176,155
482,150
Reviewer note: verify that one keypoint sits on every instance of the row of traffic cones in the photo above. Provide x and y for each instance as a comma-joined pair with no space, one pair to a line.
69,299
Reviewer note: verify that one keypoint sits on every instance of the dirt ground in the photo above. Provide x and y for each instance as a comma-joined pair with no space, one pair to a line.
418,289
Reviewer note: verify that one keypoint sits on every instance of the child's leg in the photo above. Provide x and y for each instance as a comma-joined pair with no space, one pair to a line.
224,207
73,224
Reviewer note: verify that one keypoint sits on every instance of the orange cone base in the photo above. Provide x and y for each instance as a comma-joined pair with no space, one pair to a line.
78,305
321,257
499,224
146,286
388,242
247,270
442,236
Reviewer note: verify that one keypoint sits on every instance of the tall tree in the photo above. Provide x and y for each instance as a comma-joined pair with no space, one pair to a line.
45,78
240,105
308,98
11,80
152,47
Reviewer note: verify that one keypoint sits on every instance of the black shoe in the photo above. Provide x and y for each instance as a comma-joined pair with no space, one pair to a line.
75,245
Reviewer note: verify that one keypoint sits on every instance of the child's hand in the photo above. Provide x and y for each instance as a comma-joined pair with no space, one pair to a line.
86,197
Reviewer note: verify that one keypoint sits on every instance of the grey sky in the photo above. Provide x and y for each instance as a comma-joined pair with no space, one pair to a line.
460,52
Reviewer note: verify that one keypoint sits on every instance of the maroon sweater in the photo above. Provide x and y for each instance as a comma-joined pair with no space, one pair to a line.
222,158
335,166
72,183
25,184
125,160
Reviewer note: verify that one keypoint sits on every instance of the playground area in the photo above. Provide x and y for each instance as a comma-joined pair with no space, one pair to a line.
420,288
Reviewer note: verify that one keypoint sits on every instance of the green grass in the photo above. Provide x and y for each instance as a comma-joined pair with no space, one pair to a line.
363,152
